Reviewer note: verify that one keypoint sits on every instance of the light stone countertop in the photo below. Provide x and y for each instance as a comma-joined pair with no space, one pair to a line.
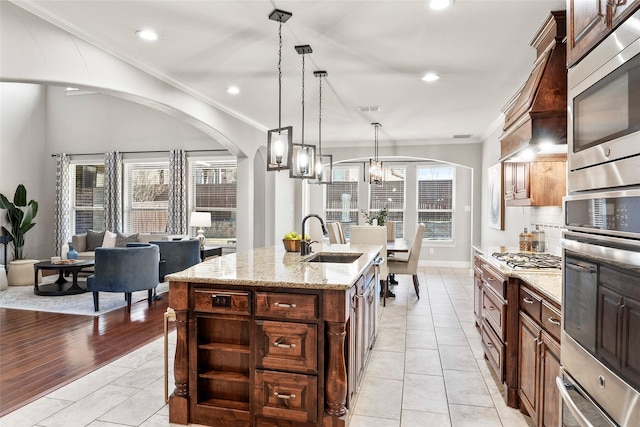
274,267
546,281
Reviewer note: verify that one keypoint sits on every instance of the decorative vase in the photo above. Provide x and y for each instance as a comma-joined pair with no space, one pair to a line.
72,254
64,251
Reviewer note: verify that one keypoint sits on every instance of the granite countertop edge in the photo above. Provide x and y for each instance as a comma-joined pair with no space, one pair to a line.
548,282
273,267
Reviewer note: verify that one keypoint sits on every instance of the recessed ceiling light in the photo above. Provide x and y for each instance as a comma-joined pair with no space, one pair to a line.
430,77
440,4
149,35
233,90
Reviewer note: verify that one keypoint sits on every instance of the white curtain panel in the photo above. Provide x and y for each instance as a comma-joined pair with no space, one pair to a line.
62,224
177,215
113,191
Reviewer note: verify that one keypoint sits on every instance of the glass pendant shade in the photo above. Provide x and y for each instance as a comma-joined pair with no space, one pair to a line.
303,161
375,172
324,168
279,147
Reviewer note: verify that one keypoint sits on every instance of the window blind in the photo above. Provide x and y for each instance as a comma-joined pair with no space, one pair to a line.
341,197
146,201
88,197
435,201
390,195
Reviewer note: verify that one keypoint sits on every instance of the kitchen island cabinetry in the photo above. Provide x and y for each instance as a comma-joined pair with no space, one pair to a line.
285,347
539,183
590,21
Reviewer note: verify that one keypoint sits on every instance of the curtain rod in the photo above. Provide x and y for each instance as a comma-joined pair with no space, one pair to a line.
147,152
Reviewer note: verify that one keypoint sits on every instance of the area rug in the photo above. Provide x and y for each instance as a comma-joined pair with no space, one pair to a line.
22,298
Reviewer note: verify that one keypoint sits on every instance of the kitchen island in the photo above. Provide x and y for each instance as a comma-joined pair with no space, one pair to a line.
270,338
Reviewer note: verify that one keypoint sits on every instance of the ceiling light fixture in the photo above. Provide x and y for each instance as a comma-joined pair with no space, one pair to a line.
280,140
375,166
233,90
148,35
303,155
430,77
440,4
324,162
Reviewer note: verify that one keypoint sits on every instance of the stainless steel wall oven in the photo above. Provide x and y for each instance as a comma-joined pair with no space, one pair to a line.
601,309
604,113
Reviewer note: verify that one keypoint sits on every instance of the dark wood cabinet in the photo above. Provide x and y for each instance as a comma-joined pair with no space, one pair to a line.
538,358
590,21
528,364
539,183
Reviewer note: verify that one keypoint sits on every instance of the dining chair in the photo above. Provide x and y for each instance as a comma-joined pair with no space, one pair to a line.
335,233
371,235
407,263
391,230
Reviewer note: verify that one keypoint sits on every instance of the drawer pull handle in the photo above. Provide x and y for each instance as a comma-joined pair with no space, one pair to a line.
280,345
490,344
491,307
553,321
527,300
284,305
284,396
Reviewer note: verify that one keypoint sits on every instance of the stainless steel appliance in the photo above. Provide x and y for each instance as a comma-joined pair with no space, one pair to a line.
600,355
604,113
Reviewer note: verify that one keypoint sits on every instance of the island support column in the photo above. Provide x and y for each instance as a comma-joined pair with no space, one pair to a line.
336,311
179,399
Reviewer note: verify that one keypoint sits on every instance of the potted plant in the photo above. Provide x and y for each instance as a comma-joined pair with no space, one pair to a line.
20,215
380,216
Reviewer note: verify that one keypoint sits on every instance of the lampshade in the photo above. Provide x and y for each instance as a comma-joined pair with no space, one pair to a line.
303,161
200,219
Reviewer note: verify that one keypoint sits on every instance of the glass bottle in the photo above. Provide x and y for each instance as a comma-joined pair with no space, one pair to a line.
525,241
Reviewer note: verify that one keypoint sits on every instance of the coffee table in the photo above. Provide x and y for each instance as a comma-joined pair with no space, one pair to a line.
61,286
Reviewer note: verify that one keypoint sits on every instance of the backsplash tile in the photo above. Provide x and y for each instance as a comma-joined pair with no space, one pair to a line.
549,219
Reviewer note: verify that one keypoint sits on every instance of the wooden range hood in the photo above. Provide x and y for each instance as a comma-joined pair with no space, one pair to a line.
539,111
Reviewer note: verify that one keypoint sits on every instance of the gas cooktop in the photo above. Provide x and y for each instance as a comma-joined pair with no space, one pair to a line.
522,260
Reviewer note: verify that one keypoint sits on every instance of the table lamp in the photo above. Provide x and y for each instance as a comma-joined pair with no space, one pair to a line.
200,220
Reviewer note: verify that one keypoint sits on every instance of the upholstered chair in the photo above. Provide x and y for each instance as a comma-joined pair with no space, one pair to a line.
177,255
407,263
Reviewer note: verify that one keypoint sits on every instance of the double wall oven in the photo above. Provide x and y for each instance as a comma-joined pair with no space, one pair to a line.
600,357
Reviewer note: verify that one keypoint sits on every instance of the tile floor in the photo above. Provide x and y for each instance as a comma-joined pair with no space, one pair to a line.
426,369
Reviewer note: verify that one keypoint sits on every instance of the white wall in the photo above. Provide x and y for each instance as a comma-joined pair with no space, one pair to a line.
22,144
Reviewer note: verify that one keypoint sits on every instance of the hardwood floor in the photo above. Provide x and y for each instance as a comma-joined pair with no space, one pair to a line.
41,351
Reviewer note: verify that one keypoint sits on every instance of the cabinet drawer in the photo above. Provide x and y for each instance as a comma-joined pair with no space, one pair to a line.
286,346
287,306
221,301
495,311
494,349
494,280
286,396
551,320
530,303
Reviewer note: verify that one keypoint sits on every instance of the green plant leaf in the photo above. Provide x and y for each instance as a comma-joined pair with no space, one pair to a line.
20,198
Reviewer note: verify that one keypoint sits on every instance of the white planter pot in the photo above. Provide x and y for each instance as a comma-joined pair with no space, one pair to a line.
20,272
3,279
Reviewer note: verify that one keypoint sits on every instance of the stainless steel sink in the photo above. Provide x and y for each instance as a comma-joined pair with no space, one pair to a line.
343,258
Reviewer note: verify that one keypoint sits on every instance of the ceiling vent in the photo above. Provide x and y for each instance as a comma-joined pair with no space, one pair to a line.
462,136
372,108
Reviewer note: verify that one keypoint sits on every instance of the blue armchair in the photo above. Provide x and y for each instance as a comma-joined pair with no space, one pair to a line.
130,269
177,255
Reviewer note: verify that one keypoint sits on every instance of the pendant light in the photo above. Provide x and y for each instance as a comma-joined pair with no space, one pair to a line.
324,162
280,140
303,155
376,170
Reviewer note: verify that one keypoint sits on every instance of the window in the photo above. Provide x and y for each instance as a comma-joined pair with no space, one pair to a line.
341,197
213,186
146,197
87,204
391,194
435,201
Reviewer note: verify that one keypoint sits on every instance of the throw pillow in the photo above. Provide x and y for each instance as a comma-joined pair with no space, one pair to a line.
122,239
109,240
94,239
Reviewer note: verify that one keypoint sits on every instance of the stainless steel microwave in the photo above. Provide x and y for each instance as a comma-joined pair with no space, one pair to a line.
604,113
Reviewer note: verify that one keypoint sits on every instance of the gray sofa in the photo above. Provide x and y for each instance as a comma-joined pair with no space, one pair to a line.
126,270
86,243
